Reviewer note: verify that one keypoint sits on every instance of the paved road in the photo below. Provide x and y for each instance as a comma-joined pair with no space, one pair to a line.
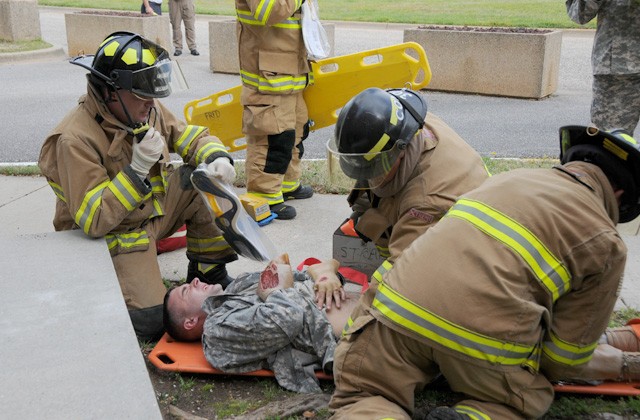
35,96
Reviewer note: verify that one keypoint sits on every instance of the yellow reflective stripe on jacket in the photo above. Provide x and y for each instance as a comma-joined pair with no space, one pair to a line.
383,251
288,186
548,269
183,144
57,190
204,245
272,199
126,193
412,317
279,84
157,209
347,326
90,203
473,413
567,353
207,150
127,240
245,16
157,184
380,271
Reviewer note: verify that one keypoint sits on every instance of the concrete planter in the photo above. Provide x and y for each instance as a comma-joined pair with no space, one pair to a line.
491,61
19,20
223,45
87,29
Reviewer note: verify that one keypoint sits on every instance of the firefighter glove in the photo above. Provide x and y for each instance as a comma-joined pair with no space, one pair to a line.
147,152
223,169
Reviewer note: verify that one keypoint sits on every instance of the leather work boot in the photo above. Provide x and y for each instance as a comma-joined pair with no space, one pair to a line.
623,338
209,273
446,413
300,193
631,366
283,211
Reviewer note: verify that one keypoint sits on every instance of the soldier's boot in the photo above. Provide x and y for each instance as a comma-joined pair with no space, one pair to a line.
210,273
624,338
631,366
147,322
446,413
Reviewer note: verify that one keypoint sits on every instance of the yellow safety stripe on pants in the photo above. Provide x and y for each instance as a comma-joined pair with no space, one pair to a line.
272,199
567,353
288,186
380,271
127,240
205,268
57,190
183,144
281,84
126,193
548,269
471,412
247,18
206,245
90,203
383,251
207,150
412,317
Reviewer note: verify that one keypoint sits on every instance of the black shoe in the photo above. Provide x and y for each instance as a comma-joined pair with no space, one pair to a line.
283,211
217,275
195,52
300,193
446,413
177,52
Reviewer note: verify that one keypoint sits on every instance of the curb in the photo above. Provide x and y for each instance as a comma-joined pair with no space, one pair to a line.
35,55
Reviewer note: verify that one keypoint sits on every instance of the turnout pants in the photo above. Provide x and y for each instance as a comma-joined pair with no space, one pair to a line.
274,126
377,371
183,11
138,271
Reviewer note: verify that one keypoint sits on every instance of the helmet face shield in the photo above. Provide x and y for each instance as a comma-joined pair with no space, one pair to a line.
367,166
157,81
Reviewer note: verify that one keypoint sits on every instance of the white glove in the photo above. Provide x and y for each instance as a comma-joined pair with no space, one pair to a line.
146,152
223,169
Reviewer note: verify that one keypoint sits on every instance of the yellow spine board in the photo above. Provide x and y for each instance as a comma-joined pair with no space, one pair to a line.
336,80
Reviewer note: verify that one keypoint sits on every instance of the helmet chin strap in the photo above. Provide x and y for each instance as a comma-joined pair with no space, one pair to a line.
136,129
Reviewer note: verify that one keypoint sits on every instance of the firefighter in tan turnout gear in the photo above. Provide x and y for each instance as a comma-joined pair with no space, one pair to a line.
409,167
512,289
107,164
274,72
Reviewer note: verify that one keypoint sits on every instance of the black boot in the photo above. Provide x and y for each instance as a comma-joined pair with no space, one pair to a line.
147,323
209,273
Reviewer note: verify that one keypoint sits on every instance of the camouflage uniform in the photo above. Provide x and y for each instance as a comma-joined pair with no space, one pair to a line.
615,60
287,333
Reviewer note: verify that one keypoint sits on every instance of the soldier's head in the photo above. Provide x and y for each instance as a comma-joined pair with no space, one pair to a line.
129,71
373,130
183,314
616,153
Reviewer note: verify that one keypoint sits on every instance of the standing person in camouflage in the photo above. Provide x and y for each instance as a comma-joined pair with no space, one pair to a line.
290,329
615,60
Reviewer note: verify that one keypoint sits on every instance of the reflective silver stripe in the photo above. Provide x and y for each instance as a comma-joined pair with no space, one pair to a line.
127,240
567,353
288,186
412,317
549,270
184,142
272,199
473,413
207,150
157,184
382,270
125,192
280,84
204,245
90,203
247,18
57,190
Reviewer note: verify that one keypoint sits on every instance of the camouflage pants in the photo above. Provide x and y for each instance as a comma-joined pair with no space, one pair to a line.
616,101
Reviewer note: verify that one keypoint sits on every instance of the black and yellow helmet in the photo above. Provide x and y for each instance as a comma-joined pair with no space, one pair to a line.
373,128
128,61
615,152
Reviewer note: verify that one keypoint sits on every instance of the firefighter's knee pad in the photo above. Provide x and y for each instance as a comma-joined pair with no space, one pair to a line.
279,152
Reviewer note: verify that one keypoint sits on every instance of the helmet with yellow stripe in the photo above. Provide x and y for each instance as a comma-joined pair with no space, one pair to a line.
128,61
615,152
373,129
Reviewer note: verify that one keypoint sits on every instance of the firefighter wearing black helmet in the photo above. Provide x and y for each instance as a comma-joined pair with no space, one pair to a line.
409,167
511,290
107,163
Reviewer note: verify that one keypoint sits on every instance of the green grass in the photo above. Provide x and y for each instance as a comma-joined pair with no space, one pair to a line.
21,46
516,13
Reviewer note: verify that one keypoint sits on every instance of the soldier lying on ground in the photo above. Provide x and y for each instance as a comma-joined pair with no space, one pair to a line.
278,319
